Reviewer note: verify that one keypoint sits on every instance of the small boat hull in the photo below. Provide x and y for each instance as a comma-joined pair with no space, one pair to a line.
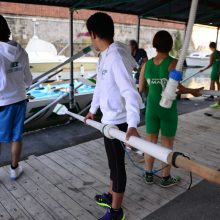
197,62
48,118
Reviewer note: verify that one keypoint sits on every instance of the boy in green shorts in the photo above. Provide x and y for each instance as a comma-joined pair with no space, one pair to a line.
155,75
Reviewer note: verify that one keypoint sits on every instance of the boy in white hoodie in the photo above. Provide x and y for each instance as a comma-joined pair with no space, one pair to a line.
15,77
119,101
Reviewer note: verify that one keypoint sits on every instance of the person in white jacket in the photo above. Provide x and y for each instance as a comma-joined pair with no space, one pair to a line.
15,78
117,97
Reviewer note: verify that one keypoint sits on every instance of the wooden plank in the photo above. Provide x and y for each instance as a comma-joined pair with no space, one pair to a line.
130,186
10,203
65,186
67,155
34,208
74,192
4,215
63,199
43,198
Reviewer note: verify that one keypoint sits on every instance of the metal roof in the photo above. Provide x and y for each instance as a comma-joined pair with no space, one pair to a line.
208,12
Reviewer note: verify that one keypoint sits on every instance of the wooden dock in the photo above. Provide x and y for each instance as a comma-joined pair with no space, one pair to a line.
61,185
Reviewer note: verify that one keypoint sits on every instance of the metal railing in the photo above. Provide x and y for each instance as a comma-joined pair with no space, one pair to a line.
44,79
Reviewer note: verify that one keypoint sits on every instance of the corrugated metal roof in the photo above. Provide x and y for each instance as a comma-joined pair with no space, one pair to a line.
208,10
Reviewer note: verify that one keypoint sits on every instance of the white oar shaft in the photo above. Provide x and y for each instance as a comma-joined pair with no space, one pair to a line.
192,16
92,123
210,92
152,149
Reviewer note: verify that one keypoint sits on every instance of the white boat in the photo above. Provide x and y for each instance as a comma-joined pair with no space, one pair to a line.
198,59
46,94
43,56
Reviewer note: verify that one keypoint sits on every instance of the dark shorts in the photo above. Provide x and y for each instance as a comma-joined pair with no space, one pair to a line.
12,121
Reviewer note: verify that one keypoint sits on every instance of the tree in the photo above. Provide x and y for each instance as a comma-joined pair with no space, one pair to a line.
177,44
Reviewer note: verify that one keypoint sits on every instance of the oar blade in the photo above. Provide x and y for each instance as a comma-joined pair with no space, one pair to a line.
60,109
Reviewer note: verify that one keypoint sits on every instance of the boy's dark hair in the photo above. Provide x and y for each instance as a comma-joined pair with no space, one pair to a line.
101,24
4,30
163,41
212,45
134,44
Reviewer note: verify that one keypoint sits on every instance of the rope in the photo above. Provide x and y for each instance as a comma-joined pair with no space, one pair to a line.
139,167
175,154
154,172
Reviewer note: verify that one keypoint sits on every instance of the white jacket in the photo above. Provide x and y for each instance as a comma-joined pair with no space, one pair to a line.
115,91
15,75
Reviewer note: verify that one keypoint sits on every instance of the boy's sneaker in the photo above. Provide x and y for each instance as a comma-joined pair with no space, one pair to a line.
149,178
168,182
16,173
104,200
216,105
210,98
111,214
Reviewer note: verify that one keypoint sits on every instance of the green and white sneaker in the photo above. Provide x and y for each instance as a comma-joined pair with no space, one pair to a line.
171,181
149,178
216,105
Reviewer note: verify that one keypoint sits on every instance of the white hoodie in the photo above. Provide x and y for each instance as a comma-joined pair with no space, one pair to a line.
15,75
115,91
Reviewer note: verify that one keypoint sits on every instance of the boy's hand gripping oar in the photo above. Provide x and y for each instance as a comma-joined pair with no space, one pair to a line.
161,153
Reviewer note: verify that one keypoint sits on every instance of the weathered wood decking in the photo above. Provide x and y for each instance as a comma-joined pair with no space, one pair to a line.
62,184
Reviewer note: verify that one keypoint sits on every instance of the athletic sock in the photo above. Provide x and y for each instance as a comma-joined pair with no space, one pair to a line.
166,177
116,210
149,173
13,168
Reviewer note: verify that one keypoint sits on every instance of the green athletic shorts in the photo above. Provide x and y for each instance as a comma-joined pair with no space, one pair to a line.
215,71
215,75
158,118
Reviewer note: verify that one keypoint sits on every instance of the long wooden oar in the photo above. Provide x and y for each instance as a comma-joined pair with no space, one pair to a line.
161,153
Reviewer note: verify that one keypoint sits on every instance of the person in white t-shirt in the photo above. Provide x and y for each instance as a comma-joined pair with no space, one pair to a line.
119,101
15,77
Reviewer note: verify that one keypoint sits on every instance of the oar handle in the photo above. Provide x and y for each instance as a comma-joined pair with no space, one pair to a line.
201,170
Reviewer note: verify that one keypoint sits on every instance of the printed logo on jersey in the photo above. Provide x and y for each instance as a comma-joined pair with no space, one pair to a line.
104,72
14,67
155,81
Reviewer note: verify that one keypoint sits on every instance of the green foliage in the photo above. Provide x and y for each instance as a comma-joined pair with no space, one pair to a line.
177,45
